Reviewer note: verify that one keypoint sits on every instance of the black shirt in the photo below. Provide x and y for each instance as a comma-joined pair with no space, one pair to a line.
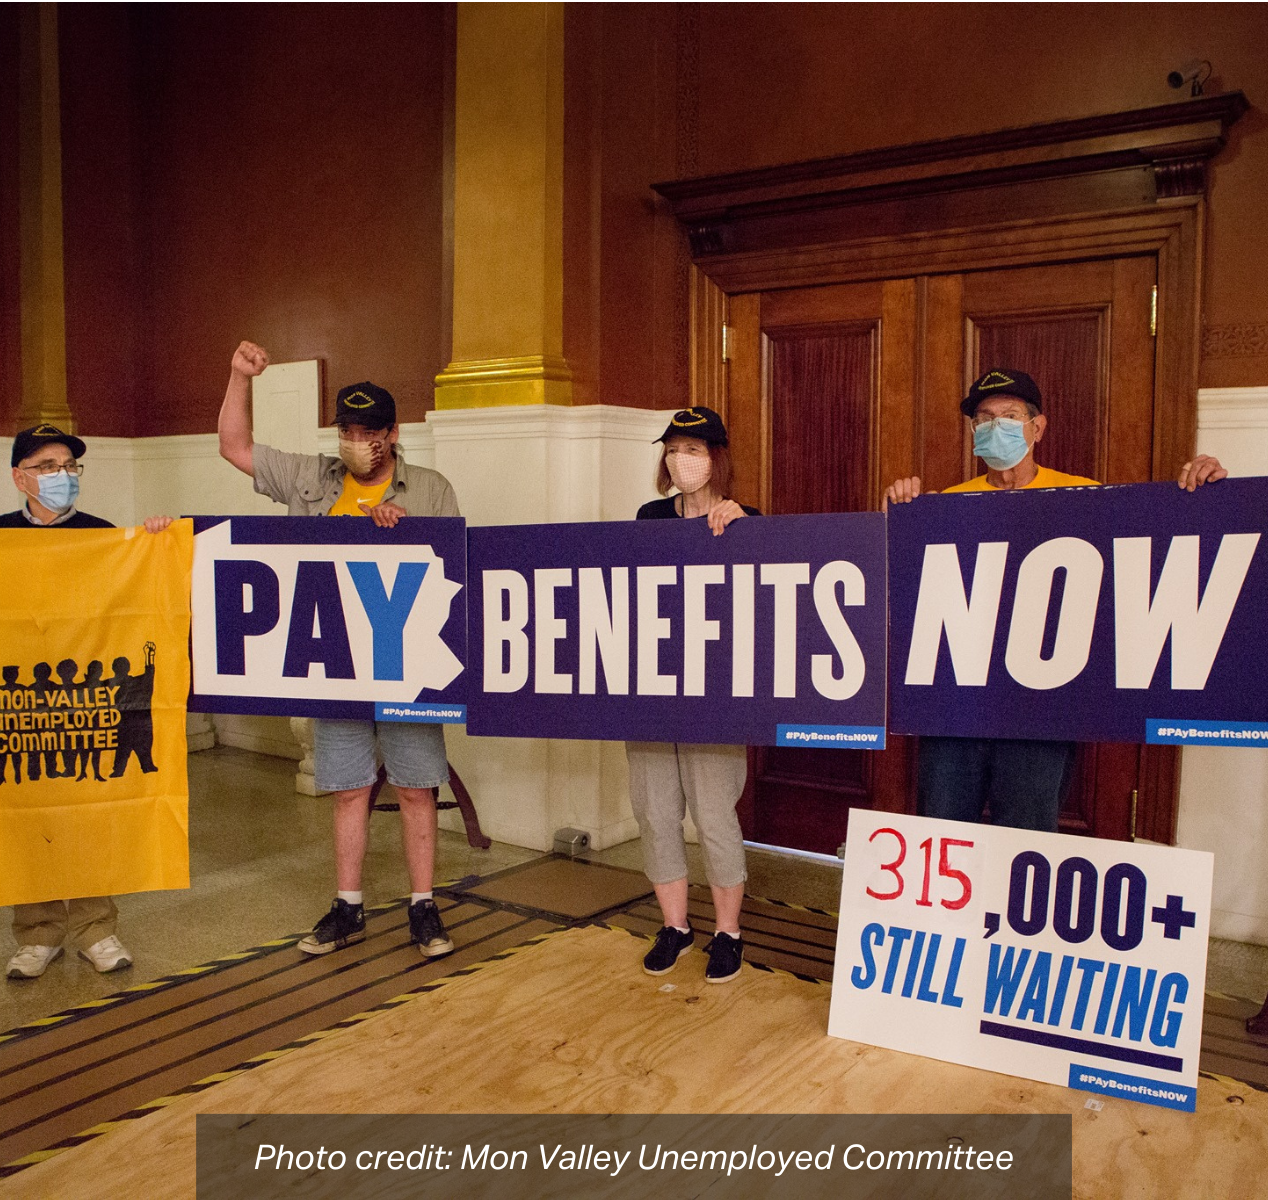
80,520
666,509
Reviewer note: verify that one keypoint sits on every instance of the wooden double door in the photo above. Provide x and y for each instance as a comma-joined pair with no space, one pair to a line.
836,391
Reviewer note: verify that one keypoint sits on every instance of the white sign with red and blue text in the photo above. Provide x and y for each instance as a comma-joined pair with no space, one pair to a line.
1067,960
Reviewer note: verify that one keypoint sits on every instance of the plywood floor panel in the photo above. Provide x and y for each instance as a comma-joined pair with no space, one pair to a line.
570,1025
79,1091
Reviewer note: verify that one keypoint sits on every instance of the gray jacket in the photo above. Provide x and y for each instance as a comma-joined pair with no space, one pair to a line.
309,484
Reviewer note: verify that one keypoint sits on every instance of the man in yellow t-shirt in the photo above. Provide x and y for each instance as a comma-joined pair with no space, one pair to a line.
1022,781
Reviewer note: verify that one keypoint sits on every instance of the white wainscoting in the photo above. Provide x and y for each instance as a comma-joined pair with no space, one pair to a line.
1224,793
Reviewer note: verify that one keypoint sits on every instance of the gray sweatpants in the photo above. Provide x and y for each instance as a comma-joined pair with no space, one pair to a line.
667,779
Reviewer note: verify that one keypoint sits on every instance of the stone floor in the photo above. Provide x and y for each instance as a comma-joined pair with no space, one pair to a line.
260,864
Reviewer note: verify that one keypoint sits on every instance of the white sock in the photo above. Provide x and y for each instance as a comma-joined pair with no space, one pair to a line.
682,928
723,933
415,897
350,897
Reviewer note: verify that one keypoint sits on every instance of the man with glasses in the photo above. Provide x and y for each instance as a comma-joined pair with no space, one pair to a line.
370,478
46,472
1023,781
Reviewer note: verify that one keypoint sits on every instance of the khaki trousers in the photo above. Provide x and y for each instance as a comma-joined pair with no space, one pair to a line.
87,920
667,780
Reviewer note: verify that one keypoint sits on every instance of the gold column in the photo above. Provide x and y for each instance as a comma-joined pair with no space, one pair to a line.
43,305
508,183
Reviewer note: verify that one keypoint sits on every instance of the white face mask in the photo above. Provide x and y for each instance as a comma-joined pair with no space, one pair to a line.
689,472
361,458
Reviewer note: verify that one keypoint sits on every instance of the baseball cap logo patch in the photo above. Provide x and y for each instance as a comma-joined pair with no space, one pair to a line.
367,404
696,422
689,417
1004,382
47,431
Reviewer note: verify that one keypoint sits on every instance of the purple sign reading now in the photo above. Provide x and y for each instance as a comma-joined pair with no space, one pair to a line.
1125,614
772,634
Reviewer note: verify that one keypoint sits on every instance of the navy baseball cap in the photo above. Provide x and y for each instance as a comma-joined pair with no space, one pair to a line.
365,404
30,440
698,422
1002,381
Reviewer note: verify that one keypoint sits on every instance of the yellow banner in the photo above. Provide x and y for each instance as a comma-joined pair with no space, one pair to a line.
94,674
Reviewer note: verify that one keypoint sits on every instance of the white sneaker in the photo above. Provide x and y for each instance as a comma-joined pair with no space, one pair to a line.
29,962
109,954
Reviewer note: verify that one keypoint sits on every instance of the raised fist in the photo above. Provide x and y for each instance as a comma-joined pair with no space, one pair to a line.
250,359
150,649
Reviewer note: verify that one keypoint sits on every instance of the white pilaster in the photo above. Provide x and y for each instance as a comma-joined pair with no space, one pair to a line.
535,464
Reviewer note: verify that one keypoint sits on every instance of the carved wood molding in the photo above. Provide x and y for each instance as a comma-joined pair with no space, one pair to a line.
1235,341
1113,162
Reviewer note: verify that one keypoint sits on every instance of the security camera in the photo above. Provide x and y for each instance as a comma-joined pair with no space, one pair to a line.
1195,72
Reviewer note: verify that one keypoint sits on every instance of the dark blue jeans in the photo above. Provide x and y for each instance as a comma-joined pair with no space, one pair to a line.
1023,782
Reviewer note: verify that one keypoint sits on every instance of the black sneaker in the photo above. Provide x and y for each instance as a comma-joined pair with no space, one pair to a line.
725,955
340,927
427,931
670,945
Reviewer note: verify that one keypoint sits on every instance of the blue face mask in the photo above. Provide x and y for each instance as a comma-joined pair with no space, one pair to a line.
1001,443
58,492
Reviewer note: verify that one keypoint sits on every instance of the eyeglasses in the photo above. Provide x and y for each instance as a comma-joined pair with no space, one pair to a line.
993,422
51,468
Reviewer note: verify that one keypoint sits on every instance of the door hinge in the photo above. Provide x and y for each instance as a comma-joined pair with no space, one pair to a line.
1135,798
1153,312
726,343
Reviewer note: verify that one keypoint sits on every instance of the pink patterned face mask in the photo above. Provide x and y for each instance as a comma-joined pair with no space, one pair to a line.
689,472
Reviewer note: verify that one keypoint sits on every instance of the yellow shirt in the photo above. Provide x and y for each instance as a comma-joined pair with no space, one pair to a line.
1045,477
347,505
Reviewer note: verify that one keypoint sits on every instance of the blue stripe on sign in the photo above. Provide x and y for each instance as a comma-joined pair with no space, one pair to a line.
1059,1041
1133,1087
436,714
1183,732
832,737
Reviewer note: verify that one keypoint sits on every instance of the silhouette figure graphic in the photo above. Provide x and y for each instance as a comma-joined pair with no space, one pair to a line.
11,684
41,687
67,669
92,681
136,725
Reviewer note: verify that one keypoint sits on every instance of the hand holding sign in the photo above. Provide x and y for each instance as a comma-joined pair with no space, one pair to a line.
384,515
1203,469
902,491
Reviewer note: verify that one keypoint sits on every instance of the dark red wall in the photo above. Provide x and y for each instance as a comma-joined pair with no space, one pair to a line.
285,187
275,172
781,83
107,351
10,338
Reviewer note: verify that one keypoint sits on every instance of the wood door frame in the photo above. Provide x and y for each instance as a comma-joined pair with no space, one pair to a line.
1121,185
1173,235
806,224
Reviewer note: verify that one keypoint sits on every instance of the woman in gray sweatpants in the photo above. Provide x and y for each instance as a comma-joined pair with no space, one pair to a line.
668,779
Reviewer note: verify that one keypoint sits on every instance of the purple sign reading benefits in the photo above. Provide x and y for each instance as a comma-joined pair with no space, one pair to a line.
771,634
